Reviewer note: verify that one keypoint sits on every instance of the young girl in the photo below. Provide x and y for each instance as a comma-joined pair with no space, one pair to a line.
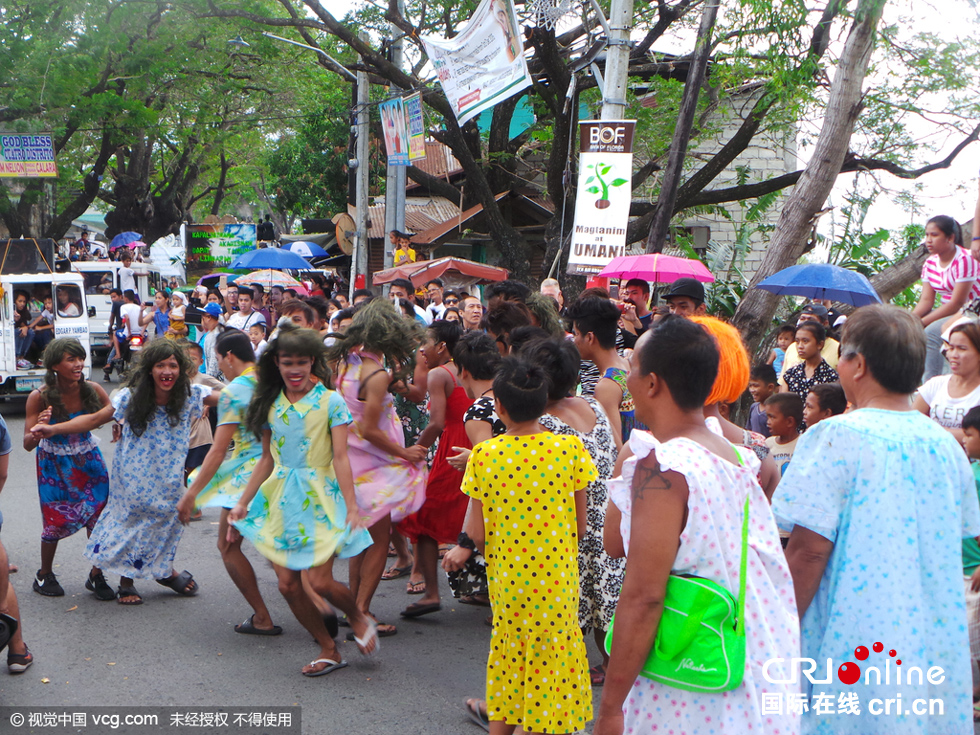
178,310
138,532
306,512
813,370
528,525
72,479
389,478
823,401
159,315
256,335
440,519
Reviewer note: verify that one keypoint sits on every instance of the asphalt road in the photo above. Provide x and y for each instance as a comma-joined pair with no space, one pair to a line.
183,651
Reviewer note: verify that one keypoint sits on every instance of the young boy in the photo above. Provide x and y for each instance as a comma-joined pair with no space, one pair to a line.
823,401
971,550
762,384
784,414
256,334
784,338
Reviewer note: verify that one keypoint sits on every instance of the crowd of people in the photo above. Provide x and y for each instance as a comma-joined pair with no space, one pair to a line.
572,465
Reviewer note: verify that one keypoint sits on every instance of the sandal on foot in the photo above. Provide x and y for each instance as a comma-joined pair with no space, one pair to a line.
475,713
370,638
385,630
248,628
331,666
18,663
417,609
96,583
416,588
181,583
481,600
124,592
396,572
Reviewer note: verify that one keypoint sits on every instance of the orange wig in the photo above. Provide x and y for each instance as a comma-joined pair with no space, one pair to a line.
733,368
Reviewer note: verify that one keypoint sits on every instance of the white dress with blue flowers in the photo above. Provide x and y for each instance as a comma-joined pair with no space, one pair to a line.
138,532
298,519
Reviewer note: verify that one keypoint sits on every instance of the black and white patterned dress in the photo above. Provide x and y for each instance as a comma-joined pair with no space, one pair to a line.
600,577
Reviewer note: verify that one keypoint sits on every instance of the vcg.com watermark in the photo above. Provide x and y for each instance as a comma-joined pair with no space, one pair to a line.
889,672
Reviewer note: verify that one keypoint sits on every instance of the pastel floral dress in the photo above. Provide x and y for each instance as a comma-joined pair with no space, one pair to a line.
384,484
72,482
229,482
138,532
298,519
537,672
600,577
710,547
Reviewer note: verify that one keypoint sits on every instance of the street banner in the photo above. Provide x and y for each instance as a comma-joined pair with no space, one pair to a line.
416,126
28,156
210,247
484,64
395,130
602,204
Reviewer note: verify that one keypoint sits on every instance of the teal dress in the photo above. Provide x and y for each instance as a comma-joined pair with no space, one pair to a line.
298,519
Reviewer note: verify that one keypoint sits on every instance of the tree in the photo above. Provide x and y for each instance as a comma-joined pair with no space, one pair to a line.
790,237
147,106
781,45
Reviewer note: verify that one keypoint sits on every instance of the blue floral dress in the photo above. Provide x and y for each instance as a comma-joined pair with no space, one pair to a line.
229,482
138,532
298,519
72,482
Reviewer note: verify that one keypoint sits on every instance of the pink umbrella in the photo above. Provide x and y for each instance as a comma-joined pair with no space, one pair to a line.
657,268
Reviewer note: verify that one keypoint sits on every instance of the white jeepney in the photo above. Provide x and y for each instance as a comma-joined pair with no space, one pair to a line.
100,277
28,267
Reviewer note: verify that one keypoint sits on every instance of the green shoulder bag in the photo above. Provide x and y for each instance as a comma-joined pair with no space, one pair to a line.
700,643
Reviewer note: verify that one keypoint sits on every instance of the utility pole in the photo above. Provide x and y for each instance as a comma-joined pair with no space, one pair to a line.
396,180
617,59
360,260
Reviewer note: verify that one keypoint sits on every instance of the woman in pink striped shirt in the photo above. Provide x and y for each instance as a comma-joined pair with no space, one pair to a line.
950,272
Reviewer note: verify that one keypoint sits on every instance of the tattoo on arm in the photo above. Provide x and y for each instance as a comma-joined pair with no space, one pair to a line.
649,476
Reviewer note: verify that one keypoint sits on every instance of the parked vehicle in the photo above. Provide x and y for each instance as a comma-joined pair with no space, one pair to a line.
27,269
100,277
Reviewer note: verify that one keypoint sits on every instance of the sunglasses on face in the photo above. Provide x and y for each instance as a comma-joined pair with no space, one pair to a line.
452,301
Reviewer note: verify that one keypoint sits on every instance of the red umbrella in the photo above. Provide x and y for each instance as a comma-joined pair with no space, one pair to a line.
657,268
423,271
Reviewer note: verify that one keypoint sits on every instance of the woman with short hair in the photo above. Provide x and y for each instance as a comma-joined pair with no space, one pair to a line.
879,499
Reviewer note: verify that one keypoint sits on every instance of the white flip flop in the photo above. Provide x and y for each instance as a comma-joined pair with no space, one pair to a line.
328,669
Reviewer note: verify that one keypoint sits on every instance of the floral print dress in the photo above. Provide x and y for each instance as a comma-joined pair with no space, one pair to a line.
298,519
600,577
138,532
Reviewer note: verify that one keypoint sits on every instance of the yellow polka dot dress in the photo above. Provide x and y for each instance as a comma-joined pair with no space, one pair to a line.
537,674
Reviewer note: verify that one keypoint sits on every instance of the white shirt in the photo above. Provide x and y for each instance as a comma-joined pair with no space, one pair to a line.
436,311
945,410
242,322
130,315
68,309
127,280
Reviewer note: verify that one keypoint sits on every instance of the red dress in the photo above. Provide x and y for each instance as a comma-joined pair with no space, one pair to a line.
441,516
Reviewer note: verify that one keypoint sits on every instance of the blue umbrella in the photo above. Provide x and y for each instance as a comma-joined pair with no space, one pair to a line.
124,238
822,281
275,258
306,249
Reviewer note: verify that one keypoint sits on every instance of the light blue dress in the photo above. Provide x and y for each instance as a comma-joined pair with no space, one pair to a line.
138,532
298,519
895,494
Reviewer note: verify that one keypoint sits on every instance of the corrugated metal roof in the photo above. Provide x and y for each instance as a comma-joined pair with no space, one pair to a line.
421,214
438,160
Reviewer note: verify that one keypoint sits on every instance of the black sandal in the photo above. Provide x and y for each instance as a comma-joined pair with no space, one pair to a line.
180,582
96,583
129,591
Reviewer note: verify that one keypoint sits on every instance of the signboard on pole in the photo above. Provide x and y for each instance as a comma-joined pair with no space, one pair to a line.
395,130
416,126
209,247
602,204
484,64
28,156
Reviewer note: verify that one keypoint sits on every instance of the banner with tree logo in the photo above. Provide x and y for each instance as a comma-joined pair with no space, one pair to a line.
602,204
